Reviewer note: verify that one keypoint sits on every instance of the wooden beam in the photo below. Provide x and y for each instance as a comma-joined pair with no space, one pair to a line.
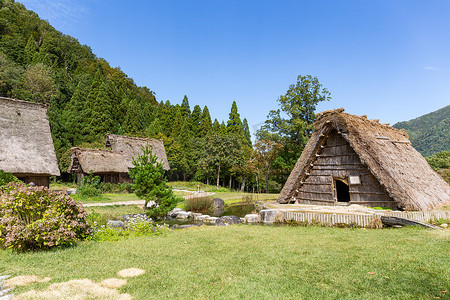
390,221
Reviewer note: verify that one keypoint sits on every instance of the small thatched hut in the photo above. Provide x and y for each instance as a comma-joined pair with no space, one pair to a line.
26,145
353,160
113,165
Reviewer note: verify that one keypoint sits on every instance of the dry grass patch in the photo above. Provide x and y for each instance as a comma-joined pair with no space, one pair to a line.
113,283
132,272
23,280
75,289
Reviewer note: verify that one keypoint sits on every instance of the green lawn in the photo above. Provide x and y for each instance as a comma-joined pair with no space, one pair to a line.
105,198
256,262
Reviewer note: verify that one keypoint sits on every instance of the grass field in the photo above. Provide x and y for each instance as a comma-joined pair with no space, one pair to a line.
251,262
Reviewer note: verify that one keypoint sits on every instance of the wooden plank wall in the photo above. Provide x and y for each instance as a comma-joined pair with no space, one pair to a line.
336,159
360,220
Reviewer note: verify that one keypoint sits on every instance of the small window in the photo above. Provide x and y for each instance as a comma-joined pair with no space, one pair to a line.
354,180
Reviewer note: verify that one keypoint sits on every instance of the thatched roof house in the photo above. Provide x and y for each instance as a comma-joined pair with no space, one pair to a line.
350,159
26,145
113,165
131,146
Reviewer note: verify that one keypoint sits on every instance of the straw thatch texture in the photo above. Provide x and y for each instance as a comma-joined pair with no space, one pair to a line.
97,161
26,145
130,147
388,155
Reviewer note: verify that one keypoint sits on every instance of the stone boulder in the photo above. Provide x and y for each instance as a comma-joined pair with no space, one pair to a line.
173,213
218,203
252,218
184,215
268,215
115,224
228,220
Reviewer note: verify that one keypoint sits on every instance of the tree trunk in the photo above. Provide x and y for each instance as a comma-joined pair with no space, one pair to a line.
229,185
207,180
218,176
243,184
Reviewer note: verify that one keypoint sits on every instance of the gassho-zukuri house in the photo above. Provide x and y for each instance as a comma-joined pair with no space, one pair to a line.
352,160
26,145
112,165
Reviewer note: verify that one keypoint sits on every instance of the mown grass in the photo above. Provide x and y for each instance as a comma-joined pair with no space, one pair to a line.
251,262
106,198
113,211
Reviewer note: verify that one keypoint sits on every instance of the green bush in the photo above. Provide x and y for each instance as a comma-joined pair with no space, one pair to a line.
37,218
90,186
6,178
198,204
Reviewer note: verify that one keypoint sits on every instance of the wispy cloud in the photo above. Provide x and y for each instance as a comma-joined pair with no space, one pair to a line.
62,14
430,68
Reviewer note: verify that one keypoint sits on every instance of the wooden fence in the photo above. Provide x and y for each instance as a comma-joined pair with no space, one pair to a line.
360,220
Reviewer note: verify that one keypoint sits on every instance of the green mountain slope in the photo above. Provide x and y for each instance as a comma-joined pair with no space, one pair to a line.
430,133
88,98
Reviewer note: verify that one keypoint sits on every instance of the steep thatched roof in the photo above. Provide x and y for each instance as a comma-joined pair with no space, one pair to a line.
130,147
99,161
26,145
388,154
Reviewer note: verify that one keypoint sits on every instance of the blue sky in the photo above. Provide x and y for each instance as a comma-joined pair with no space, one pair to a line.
388,59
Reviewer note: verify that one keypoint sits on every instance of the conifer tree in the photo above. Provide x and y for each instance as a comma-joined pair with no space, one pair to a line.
216,127
205,124
234,124
178,122
185,108
247,135
195,121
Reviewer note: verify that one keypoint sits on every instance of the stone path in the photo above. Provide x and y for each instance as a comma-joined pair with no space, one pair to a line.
141,202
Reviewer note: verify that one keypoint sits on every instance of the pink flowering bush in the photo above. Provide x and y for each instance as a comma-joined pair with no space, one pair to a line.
33,218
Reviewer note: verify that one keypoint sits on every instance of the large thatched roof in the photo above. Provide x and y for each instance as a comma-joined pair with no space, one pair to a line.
119,159
130,147
99,161
26,145
388,154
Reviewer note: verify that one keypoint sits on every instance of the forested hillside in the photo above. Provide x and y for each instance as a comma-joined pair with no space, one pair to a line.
88,98
430,133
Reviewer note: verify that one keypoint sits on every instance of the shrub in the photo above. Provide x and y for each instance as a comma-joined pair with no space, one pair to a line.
90,186
37,218
6,178
198,204
150,184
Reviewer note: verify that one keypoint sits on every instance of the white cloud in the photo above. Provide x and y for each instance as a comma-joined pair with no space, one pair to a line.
430,68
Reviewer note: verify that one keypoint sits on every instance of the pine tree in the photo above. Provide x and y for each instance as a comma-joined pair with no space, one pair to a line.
234,124
195,121
216,127
178,122
247,135
185,108
205,124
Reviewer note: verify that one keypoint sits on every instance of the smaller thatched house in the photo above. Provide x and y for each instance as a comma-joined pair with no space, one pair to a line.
26,145
353,160
113,165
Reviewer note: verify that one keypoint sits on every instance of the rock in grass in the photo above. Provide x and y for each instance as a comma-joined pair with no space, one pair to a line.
115,224
252,218
218,203
268,215
228,220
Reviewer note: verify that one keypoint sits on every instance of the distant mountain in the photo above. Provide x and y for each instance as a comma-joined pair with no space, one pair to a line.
430,133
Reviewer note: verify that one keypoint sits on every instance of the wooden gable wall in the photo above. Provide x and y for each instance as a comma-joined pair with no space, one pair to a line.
336,160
